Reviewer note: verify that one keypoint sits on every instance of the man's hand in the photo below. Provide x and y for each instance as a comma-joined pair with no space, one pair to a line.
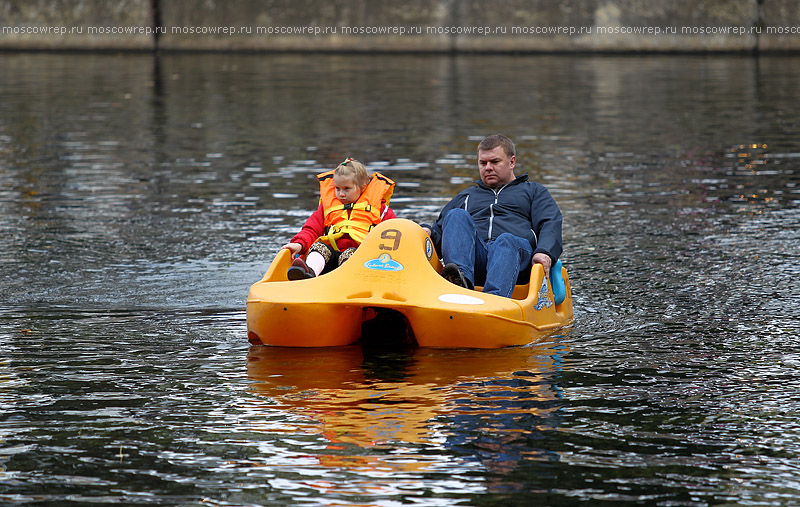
544,260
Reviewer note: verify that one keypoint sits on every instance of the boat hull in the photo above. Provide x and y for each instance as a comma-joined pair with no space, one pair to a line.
396,270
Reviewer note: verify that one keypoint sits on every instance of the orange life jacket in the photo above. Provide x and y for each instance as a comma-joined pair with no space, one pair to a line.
355,219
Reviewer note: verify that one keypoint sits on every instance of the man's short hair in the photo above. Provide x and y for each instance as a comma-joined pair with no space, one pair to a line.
493,141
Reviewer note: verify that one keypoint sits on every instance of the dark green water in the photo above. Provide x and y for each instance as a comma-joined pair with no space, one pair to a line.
139,198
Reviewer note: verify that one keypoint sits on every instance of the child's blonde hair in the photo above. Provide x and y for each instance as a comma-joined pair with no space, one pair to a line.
352,168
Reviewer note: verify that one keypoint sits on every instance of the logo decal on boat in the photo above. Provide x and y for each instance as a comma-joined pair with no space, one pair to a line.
384,263
428,248
544,300
461,299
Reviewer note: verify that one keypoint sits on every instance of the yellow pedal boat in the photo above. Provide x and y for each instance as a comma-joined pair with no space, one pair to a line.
394,280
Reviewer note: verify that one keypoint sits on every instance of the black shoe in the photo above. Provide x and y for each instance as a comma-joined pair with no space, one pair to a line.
452,274
299,270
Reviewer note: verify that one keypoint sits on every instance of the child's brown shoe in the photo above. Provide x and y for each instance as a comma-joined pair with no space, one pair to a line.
299,270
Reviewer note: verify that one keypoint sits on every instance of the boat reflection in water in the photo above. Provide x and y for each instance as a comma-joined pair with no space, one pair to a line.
476,400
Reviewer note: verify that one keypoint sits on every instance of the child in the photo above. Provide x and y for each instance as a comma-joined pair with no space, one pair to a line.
351,203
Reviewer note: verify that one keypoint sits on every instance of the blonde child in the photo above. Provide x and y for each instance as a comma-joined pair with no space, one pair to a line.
351,203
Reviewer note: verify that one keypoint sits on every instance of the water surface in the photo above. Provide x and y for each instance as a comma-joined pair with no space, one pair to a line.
141,195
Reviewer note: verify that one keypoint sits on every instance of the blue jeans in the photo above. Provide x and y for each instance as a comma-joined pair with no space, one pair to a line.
496,265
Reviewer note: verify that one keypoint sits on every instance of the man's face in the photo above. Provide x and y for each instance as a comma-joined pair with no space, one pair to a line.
495,167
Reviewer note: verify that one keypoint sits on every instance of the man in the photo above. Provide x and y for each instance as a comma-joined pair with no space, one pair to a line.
491,232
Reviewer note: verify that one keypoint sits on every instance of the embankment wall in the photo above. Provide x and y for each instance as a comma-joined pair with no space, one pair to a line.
402,26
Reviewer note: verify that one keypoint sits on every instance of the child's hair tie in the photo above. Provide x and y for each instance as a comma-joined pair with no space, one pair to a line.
346,161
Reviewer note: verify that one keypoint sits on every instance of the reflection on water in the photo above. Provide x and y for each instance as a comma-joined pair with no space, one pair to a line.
417,412
141,195
380,397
